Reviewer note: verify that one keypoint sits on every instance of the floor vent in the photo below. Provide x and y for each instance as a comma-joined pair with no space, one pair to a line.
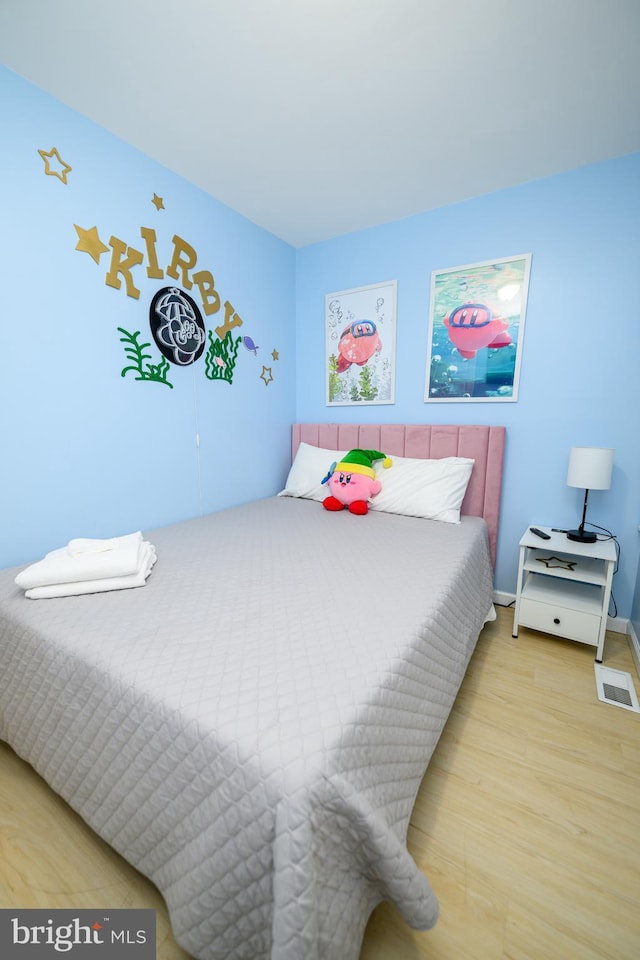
616,687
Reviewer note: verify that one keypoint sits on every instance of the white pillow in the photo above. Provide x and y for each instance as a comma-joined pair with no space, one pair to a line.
311,464
431,489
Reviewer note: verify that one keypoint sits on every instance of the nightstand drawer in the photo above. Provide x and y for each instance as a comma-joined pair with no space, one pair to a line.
561,621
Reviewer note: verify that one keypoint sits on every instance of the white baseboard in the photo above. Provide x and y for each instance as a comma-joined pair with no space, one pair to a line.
503,599
634,643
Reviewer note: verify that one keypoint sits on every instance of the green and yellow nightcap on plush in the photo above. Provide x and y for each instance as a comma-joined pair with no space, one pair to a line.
361,461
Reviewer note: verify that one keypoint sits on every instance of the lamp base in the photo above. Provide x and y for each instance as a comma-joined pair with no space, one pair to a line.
581,536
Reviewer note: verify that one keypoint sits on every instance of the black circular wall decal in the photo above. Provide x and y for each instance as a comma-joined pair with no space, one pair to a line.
177,326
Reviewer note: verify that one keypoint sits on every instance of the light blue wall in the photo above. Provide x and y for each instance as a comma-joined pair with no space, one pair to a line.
86,452
579,379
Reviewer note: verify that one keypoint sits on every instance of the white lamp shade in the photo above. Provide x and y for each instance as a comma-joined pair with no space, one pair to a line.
590,467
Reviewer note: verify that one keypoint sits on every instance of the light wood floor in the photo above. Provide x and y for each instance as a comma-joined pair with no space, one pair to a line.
527,822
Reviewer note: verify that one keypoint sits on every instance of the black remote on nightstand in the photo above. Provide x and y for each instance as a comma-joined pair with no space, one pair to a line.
540,533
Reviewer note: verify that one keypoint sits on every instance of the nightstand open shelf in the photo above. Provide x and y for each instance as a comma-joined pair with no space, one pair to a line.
564,587
582,569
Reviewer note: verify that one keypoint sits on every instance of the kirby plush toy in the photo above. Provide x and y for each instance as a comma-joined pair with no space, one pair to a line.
353,482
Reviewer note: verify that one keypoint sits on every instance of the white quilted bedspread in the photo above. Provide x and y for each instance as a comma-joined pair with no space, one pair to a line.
250,728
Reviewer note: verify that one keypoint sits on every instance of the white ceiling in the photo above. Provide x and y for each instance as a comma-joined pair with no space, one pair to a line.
314,118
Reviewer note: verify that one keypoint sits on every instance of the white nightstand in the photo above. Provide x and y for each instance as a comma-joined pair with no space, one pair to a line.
564,587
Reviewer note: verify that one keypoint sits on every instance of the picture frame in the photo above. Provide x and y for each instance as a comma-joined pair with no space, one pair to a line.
476,330
360,345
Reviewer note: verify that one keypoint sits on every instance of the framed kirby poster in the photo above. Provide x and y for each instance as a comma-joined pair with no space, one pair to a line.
476,330
360,339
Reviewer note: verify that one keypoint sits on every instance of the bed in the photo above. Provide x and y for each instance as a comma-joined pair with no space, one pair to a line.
251,727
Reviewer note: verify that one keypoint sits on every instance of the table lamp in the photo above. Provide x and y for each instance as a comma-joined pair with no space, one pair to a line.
590,468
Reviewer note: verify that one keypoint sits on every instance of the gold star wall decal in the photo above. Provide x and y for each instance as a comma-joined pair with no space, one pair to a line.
49,169
89,242
557,563
275,354
158,202
266,375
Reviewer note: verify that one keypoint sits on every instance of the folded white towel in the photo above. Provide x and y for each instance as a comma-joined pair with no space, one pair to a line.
99,585
82,545
61,566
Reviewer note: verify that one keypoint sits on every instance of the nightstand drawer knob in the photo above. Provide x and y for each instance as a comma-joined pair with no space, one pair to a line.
556,620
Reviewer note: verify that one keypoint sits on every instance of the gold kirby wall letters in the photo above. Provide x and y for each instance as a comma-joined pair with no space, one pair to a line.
125,259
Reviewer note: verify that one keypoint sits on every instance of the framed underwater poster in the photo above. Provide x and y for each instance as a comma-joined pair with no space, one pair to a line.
360,339
476,328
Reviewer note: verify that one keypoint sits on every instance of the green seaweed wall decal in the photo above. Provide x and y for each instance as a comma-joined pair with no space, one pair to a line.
220,358
136,355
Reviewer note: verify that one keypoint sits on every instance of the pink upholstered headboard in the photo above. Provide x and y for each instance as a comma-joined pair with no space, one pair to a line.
483,444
